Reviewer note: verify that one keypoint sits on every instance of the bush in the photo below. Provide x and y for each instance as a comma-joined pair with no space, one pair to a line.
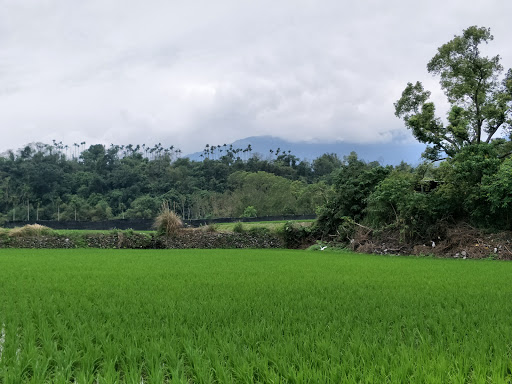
167,222
297,236
396,204
238,228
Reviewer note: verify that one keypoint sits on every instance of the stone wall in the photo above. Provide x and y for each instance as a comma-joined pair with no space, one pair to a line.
131,240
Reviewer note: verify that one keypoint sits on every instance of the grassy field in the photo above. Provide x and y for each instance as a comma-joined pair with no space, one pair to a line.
271,225
223,227
224,316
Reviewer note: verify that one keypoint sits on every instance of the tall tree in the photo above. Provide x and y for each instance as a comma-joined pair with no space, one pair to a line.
481,104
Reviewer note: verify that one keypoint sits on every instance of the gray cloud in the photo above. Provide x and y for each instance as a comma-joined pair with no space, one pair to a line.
191,73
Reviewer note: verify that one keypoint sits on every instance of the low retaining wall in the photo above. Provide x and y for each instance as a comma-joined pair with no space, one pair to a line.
188,238
146,224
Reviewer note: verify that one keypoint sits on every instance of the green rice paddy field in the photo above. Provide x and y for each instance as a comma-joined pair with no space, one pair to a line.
282,316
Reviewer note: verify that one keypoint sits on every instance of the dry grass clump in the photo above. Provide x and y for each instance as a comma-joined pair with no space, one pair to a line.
30,230
212,227
167,223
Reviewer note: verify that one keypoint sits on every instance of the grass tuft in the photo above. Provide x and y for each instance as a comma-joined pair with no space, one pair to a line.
168,223
30,230
212,227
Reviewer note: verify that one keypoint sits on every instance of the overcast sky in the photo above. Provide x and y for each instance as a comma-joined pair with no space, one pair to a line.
187,73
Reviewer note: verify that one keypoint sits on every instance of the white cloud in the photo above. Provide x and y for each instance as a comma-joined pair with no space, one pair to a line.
188,73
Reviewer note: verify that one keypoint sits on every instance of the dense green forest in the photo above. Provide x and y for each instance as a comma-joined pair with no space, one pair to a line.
57,182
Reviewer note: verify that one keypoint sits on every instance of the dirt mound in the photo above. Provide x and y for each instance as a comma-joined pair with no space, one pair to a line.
458,241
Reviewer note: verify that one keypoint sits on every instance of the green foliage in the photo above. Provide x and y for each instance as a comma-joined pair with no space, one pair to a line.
395,202
239,227
268,194
258,231
325,165
462,190
144,207
244,316
4,234
44,182
497,188
250,211
297,236
481,105
354,183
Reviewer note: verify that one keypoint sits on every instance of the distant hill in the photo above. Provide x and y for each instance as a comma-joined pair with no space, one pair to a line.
389,153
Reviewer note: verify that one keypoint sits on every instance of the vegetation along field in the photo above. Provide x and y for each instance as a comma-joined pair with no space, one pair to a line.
155,316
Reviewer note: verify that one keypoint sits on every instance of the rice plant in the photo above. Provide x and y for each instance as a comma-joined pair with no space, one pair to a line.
162,316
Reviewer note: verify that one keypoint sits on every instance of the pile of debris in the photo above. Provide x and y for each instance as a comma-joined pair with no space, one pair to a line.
458,241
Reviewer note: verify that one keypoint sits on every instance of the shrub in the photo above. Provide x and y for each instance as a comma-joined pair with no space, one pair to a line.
30,230
396,204
297,236
129,232
238,228
167,222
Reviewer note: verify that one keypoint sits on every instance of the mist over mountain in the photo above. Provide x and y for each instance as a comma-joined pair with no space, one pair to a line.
384,153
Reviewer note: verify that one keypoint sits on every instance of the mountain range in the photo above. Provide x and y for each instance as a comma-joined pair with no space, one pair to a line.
384,153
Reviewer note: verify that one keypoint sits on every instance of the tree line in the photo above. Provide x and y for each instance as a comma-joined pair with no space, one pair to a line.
58,182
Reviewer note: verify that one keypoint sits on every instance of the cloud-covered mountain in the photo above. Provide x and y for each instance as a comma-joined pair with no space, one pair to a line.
384,153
